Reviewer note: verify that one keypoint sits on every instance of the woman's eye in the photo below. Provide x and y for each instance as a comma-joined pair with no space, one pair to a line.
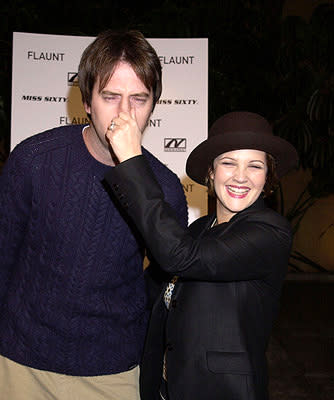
256,166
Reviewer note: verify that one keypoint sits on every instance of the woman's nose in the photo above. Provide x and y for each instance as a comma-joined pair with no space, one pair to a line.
240,175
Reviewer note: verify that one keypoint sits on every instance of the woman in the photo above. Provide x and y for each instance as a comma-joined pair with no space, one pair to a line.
229,266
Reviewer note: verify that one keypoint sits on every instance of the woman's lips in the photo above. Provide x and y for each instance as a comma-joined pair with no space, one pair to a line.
237,192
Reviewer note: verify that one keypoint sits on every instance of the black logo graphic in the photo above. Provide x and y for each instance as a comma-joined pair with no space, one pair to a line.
49,99
175,144
31,98
177,59
72,79
45,56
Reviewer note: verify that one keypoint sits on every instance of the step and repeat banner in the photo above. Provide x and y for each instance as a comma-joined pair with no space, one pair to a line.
45,94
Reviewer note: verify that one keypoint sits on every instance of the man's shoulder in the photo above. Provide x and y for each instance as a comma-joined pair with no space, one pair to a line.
52,137
47,141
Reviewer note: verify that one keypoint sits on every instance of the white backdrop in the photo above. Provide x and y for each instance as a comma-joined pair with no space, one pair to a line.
45,94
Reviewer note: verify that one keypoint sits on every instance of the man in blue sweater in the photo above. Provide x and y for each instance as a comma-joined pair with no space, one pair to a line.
73,300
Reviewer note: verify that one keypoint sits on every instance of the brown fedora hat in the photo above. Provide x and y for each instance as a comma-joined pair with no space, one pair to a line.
235,131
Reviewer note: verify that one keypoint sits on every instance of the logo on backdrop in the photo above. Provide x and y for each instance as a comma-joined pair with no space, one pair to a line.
155,123
72,79
185,101
78,120
177,59
165,101
175,144
44,56
177,101
46,99
188,187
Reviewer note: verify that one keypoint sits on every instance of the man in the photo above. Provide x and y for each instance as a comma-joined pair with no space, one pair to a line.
73,302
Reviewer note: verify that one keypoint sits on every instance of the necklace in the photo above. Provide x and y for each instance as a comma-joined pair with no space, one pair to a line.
214,223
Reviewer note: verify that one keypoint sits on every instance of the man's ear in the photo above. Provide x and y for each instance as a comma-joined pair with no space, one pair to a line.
87,108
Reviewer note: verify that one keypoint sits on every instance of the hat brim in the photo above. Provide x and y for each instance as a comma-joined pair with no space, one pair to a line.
200,158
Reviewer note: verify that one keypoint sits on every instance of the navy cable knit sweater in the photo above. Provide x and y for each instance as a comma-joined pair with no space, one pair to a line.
72,290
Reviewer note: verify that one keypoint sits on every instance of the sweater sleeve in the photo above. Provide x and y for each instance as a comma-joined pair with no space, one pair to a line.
14,212
250,249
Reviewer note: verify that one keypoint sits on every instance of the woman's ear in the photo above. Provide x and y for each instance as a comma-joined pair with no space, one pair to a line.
211,174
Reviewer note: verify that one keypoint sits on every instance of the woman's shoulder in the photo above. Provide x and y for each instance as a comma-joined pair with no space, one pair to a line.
263,220
200,224
268,215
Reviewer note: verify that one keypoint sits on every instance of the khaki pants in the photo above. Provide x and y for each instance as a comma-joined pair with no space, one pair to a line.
18,382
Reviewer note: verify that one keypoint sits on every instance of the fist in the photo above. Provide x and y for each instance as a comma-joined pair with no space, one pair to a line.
125,136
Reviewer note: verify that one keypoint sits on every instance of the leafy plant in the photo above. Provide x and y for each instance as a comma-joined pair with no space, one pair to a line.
306,90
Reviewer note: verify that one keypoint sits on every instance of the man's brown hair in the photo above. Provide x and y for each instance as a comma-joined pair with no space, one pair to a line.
101,57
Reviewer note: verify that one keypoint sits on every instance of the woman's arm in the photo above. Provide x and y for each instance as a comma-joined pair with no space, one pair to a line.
252,245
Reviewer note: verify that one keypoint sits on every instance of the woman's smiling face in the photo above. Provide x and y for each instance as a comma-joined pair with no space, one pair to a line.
238,177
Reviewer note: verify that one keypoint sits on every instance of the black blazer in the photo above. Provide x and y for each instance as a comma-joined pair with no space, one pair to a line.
230,277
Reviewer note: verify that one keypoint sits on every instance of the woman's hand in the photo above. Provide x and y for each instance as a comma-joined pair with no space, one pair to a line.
124,136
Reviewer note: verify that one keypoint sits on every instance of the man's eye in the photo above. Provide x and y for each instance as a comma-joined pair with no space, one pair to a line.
140,100
110,97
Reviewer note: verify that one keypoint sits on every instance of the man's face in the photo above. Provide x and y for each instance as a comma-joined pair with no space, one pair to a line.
123,91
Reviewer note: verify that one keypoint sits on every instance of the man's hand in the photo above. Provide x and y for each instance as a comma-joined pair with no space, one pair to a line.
124,136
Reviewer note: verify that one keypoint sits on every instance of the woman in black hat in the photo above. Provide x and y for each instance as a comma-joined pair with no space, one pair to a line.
210,326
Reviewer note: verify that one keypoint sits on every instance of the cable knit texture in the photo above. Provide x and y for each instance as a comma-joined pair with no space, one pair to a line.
72,290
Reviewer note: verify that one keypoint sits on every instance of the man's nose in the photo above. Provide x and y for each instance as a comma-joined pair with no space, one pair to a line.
125,105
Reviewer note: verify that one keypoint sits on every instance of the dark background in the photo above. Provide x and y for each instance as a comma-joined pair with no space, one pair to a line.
261,59
258,60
